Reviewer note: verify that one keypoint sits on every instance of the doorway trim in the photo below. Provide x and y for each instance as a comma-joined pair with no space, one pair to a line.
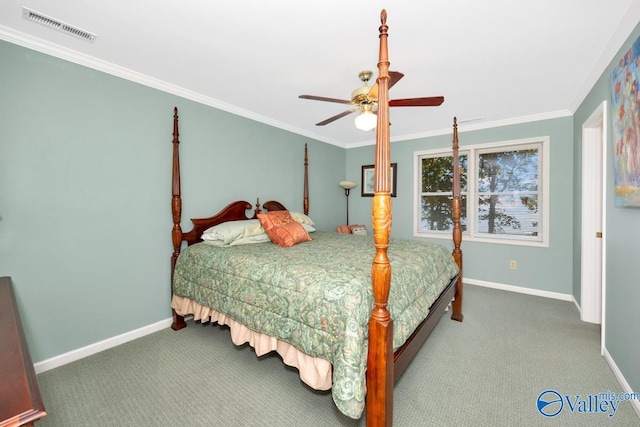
593,233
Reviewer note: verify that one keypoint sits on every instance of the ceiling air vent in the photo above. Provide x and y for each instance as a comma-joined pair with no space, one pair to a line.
56,24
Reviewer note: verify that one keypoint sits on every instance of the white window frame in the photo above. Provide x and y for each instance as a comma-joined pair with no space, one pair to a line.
471,234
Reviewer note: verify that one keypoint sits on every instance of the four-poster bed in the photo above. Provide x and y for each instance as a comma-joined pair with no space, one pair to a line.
241,291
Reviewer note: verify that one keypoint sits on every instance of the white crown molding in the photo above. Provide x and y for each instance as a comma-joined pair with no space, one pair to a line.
66,54
623,31
471,127
58,51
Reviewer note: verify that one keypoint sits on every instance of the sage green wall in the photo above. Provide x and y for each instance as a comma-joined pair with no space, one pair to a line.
85,192
622,240
85,200
546,269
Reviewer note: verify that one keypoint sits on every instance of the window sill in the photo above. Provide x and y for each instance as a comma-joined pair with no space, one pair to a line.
467,238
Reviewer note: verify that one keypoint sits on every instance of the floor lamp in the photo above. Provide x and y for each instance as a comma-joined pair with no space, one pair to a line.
347,185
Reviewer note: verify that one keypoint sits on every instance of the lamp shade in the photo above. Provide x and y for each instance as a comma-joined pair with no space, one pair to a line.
347,184
366,121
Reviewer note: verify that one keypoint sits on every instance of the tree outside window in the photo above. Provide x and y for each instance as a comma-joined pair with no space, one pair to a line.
507,190
504,201
437,192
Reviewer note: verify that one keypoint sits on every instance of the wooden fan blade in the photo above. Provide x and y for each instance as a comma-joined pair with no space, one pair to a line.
336,117
322,98
394,77
432,101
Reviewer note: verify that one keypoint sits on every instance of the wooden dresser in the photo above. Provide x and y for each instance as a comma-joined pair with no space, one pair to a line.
20,400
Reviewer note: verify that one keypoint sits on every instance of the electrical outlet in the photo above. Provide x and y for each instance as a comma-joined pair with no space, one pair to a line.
513,265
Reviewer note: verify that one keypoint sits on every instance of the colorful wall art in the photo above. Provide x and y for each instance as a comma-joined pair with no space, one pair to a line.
625,110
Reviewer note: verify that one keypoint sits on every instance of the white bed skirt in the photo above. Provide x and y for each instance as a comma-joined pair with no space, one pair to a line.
314,372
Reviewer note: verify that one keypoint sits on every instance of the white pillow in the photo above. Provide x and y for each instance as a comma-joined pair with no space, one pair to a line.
230,231
258,238
359,229
301,218
309,228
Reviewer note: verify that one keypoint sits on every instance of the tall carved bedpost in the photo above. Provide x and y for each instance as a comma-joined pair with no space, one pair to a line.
305,199
176,213
379,402
457,230
176,201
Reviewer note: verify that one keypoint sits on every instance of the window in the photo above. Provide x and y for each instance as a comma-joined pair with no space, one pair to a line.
504,191
436,193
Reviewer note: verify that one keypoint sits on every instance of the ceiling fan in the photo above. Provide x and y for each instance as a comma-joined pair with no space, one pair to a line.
365,99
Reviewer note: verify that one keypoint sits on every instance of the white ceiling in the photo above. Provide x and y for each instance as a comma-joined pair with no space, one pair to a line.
503,61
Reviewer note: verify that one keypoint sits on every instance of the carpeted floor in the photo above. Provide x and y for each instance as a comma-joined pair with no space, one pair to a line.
487,371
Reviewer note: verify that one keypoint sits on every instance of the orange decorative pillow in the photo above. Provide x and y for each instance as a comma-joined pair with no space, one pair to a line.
288,234
274,219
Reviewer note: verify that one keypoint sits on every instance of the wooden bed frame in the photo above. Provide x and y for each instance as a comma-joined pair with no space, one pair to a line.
384,366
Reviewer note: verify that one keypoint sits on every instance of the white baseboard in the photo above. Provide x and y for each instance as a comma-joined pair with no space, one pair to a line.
97,347
577,305
635,403
519,289
94,348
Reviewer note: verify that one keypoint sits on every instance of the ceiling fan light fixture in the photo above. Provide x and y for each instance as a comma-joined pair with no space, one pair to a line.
366,121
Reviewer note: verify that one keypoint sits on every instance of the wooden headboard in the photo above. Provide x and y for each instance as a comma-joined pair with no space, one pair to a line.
234,211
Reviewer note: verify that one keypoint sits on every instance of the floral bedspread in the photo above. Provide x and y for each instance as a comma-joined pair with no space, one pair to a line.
317,295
